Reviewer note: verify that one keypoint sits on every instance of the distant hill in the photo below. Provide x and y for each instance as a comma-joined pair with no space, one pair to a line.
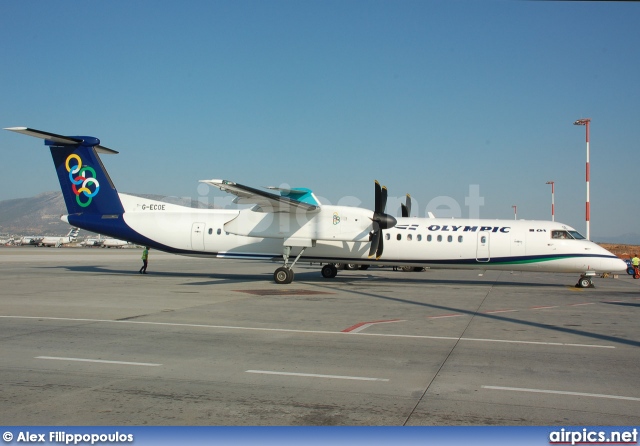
40,215
628,239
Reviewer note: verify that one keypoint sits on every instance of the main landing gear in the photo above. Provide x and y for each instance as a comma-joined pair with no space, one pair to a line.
329,271
284,274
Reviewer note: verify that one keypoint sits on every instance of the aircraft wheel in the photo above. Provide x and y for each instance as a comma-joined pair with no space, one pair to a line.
585,282
283,275
329,271
364,267
412,269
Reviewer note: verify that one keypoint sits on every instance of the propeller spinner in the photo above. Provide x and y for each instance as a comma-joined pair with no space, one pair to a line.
380,220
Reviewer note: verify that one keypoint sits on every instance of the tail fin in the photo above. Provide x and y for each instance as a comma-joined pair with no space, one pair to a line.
85,183
73,233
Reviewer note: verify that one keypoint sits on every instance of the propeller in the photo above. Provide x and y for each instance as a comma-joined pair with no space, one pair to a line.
406,208
380,220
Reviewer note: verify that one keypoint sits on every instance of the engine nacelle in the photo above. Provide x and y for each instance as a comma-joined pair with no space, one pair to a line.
339,223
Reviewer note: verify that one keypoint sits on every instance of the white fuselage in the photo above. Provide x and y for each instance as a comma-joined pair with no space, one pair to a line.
56,241
340,234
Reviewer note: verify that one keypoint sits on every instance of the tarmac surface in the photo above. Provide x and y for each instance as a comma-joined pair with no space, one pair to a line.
87,340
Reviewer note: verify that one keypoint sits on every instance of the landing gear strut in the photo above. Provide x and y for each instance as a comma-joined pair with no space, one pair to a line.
284,274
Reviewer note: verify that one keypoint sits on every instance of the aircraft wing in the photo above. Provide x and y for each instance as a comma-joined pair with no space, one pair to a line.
290,200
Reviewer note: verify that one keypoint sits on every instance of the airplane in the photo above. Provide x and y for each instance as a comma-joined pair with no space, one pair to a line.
57,241
29,240
6,239
292,223
114,243
92,241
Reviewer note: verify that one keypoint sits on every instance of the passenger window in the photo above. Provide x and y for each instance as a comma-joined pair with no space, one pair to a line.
460,238
483,239
219,231
439,238
387,236
429,237
210,231
450,238
399,237
409,237
419,238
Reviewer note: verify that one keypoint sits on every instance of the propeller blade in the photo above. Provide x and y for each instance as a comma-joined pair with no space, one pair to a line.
380,247
406,208
378,197
375,238
380,221
383,204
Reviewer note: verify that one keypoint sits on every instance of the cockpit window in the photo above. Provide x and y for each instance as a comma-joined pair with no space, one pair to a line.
576,235
560,235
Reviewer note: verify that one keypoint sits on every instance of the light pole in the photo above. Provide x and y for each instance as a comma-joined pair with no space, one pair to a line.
553,213
515,212
586,122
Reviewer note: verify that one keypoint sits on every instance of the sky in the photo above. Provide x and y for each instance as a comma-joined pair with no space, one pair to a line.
468,105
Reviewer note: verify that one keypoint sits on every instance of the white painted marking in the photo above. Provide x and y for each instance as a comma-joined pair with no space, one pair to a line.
579,305
361,328
369,324
500,311
313,375
542,308
148,364
286,330
559,392
445,316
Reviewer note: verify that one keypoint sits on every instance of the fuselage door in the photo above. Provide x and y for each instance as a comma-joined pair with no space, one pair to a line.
197,237
482,251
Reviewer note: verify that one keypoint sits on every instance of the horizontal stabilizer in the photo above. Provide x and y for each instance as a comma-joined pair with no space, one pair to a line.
59,139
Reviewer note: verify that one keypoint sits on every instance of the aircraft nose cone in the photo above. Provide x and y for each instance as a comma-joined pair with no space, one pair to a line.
612,265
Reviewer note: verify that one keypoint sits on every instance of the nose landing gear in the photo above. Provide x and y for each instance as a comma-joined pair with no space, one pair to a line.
586,281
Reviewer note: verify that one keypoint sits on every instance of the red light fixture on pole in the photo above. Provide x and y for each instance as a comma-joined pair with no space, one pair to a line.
553,213
515,212
586,122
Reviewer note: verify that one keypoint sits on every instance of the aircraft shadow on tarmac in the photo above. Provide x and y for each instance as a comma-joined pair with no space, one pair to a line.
624,304
217,278
307,276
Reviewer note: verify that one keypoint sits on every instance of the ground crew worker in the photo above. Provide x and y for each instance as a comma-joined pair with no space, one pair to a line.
635,262
145,258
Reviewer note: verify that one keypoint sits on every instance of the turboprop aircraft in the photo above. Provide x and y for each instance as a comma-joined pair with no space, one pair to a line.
58,241
292,222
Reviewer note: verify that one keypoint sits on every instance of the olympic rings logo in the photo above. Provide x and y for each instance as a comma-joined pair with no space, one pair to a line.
78,177
336,218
